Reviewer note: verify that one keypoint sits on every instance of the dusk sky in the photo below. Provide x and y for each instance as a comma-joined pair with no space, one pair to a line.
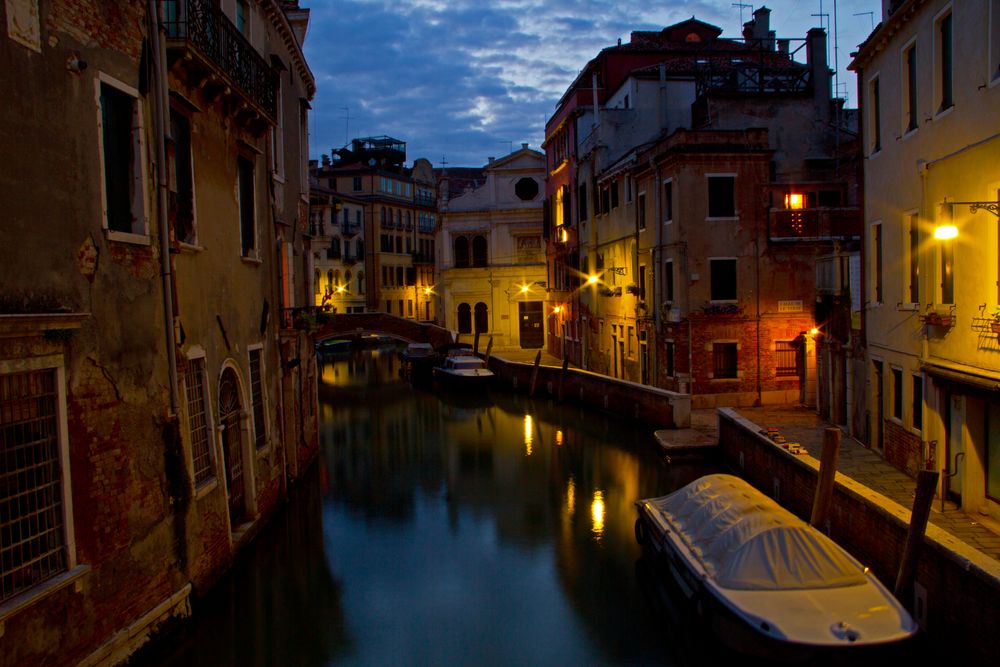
464,80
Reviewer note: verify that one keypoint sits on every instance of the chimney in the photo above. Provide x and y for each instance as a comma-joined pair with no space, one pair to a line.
761,23
524,145
491,160
818,67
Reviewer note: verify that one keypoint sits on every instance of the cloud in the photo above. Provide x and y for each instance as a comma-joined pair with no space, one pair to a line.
464,80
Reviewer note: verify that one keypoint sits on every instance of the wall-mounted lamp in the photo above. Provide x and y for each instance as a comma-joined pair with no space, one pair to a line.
592,279
945,232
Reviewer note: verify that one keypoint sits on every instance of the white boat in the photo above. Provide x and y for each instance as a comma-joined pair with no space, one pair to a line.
767,582
463,371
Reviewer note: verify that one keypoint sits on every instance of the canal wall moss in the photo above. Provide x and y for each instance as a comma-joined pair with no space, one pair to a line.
956,598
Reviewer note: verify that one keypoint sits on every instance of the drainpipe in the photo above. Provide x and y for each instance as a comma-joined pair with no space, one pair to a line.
160,114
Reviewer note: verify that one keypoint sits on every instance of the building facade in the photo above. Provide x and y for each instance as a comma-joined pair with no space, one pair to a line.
709,182
154,399
492,276
399,223
337,230
929,81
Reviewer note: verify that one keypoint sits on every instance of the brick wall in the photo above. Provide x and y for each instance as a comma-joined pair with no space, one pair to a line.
962,585
903,449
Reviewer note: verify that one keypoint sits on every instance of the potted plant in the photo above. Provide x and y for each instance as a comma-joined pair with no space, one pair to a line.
995,323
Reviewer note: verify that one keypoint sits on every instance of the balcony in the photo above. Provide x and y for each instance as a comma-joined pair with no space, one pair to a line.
422,258
333,253
350,229
215,56
814,224
422,199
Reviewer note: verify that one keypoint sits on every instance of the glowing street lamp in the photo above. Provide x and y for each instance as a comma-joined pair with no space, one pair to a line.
592,279
946,232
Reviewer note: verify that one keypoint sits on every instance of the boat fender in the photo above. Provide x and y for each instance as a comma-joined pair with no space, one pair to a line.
641,534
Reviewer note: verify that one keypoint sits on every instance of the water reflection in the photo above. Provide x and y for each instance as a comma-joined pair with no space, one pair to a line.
448,532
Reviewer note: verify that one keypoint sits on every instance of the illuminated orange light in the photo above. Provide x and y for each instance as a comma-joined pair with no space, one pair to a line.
793,200
814,331
592,280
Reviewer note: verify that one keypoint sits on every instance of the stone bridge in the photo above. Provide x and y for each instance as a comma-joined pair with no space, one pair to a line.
353,325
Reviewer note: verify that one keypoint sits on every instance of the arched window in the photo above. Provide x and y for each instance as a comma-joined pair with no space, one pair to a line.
329,281
336,279
347,280
482,318
464,318
361,282
480,257
317,277
461,253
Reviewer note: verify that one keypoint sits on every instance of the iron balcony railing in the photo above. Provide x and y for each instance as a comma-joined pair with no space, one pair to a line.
201,25
814,224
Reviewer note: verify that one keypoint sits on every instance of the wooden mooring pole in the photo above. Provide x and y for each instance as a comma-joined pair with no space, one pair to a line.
534,374
926,483
475,343
562,376
489,349
827,476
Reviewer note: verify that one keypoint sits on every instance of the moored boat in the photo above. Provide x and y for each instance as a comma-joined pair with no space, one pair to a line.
464,371
767,582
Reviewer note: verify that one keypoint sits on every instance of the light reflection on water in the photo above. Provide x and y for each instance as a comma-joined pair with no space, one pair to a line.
448,533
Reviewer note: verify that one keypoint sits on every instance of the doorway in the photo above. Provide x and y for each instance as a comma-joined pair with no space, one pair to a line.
530,317
232,450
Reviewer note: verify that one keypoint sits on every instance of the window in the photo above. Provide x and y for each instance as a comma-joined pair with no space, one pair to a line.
724,360
877,262
785,359
668,281
582,199
668,201
277,158
909,81
992,429
875,114
994,64
243,17
614,194
462,260
479,251
388,306
122,157
723,279
913,253
721,196
409,308
631,340
181,184
943,41
918,402
526,189
464,318
248,227
399,283
35,541
317,277
482,318
897,393
642,282
670,359
356,184
257,398
199,422
642,210
382,216
361,282
628,189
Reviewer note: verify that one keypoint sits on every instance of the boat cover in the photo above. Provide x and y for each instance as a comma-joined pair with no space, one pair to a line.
746,541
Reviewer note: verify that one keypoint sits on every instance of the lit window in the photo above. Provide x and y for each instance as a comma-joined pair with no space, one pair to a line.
724,360
794,201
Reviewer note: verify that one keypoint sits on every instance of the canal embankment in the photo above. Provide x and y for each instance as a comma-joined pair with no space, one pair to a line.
956,597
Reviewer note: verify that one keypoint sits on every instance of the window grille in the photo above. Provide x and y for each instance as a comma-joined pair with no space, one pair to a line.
785,359
194,383
32,542
724,360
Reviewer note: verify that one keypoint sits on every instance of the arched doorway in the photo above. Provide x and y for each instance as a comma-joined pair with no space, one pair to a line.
232,449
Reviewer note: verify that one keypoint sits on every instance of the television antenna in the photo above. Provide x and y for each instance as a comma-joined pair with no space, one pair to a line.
742,6
871,19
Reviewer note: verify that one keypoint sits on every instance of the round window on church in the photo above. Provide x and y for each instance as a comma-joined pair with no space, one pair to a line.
526,189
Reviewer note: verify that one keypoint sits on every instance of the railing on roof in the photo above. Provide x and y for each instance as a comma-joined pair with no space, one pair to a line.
202,25
752,66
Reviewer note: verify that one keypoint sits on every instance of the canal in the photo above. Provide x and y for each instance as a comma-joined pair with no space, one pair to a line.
444,529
